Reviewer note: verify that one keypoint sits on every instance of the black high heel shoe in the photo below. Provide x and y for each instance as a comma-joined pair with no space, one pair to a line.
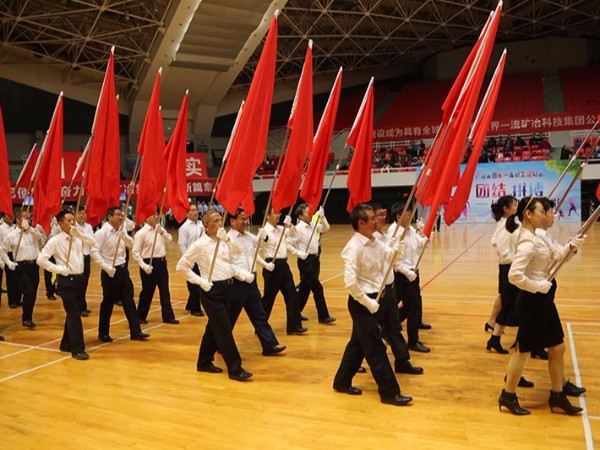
523,382
488,327
573,390
511,402
559,400
494,343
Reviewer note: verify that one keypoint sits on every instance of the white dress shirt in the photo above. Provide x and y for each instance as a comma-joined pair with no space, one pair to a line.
201,252
274,235
246,243
106,244
506,245
384,239
413,246
499,225
87,229
58,247
531,262
28,247
143,241
365,262
304,231
189,233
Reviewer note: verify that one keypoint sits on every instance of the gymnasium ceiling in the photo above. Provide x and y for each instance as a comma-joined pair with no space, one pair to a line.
212,46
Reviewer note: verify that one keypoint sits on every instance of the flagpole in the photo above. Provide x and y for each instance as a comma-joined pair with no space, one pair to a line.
214,260
160,216
571,184
82,160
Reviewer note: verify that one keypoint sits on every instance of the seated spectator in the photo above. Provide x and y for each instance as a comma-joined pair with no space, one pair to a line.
565,152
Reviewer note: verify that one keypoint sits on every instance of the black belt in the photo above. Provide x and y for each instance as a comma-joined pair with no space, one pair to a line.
121,266
71,276
27,261
276,259
161,259
223,282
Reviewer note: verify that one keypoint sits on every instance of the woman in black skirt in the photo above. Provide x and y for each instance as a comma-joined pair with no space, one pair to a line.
539,323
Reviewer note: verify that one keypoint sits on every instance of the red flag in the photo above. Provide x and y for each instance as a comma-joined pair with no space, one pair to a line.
102,183
48,180
80,166
598,192
26,175
250,142
175,155
481,127
153,174
361,138
312,188
447,171
5,197
300,143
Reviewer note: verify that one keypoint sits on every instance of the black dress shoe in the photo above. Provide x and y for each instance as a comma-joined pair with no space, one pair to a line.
273,350
51,297
301,330
197,313
210,368
13,306
397,400
419,347
570,389
140,337
242,375
1,338
172,321
541,354
303,317
424,326
327,320
352,390
407,367
65,349
81,356
143,321
523,382
4,291
119,302
85,313
361,369
29,324
105,338
488,327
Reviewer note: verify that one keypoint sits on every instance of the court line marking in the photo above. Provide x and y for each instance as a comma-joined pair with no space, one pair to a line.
589,440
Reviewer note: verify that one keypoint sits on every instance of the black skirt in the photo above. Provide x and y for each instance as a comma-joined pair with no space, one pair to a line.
509,292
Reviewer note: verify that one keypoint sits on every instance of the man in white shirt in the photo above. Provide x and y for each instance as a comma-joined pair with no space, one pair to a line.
189,232
48,283
116,283
80,218
216,295
309,265
66,249
23,243
150,252
245,290
280,278
5,228
365,261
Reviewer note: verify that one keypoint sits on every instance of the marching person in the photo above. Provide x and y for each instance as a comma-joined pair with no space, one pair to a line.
6,226
150,252
23,245
309,264
51,290
279,277
539,322
67,250
80,218
116,283
245,290
189,232
216,296
365,260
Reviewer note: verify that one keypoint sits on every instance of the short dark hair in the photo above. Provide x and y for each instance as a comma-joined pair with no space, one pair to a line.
300,209
111,210
359,212
207,214
81,208
62,213
397,209
238,211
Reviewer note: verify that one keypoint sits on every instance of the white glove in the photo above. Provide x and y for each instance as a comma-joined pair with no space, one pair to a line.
1,265
222,235
287,220
204,284
241,276
420,226
12,265
62,270
75,231
302,255
411,275
122,234
25,225
321,212
269,267
110,271
146,268
262,234
577,240
368,303
544,286
249,278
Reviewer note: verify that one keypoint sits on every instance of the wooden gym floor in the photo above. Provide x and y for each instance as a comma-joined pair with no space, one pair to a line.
132,394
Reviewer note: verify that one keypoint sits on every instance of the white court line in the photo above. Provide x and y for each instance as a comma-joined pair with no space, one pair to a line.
594,417
589,441
593,333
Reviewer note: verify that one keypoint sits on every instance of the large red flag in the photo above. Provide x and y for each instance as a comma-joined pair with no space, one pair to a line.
48,180
153,173
102,182
175,155
26,175
250,142
480,127
80,166
361,138
5,197
312,188
300,143
598,192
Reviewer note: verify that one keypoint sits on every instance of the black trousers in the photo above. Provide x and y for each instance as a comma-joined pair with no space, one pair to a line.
48,280
193,302
218,334
389,321
281,279
86,280
13,292
28,279
247,296
412,304
119,287
309,282
366,342
71,290
158,278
